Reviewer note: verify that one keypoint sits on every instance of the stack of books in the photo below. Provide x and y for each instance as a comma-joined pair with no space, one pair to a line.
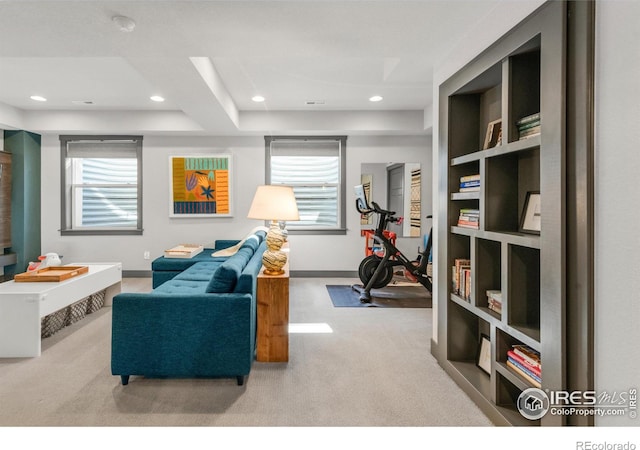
461,277
528,126
525,361
470,183
469,218
494,301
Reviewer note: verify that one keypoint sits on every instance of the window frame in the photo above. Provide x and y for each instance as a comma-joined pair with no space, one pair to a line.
341,228
65,229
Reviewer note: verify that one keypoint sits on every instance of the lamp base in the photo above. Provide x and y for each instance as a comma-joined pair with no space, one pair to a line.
274,261
273,272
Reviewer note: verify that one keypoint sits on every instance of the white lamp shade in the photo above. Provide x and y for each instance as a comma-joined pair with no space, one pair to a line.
274,202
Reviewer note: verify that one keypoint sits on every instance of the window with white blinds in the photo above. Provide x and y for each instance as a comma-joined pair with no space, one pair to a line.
314,167
101,185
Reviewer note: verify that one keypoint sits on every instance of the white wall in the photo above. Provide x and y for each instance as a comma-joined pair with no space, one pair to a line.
324,252
617,165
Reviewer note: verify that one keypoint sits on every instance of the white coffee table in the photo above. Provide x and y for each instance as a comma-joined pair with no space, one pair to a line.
24,304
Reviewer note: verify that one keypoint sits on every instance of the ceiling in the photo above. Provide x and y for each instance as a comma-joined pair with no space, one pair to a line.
208,58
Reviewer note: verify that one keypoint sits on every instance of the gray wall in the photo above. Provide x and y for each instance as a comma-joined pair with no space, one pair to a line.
308,253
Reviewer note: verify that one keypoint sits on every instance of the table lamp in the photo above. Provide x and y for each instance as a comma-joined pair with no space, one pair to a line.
274,203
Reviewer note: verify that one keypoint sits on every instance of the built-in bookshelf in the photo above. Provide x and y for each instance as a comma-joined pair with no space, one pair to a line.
501,123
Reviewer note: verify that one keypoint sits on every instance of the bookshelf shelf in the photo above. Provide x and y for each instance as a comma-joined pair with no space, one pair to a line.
516,278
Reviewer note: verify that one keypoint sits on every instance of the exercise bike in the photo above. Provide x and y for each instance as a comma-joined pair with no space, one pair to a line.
376,270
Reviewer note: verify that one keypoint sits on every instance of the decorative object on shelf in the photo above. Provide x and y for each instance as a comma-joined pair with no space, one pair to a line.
530,221
274,203
200,186
484,354
494,300
494,134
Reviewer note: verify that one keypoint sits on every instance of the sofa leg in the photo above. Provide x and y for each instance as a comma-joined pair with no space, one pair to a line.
240,379
125,379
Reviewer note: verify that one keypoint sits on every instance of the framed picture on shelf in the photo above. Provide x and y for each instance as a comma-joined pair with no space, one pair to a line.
494,134
530,220
200,186
483,359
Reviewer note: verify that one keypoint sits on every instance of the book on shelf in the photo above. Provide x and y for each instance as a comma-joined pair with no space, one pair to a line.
528,126
528,119
470,183
524,369
183,251
460,268
535,370
529,132
523,374
471,225
468,178
529,354
465,288
469,218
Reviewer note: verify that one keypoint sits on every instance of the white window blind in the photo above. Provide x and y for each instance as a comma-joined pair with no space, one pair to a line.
314,169
102,186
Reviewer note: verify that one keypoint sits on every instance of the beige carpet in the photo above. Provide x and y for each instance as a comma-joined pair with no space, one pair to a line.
374,369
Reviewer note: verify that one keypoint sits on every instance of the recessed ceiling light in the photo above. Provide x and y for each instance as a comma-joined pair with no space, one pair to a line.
38,98
375,98
124,23
257,98
157,98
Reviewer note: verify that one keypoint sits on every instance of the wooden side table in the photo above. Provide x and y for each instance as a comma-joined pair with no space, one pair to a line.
273,317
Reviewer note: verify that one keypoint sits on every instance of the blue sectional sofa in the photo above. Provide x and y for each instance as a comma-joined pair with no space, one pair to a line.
198,321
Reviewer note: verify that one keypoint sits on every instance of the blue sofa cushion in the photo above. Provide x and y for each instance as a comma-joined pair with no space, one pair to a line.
181,287
201,271
252,243
226,276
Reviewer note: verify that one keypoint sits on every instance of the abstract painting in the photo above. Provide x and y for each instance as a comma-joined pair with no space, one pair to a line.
200,186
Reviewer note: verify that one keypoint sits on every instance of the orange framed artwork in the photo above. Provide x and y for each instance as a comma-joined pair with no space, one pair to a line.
200,186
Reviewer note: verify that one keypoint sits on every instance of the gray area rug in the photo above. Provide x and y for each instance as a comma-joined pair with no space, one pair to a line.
388,297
